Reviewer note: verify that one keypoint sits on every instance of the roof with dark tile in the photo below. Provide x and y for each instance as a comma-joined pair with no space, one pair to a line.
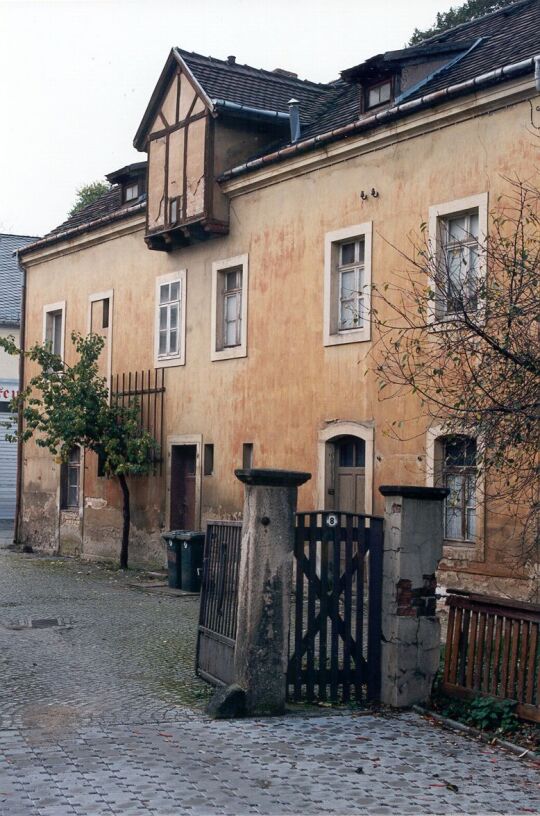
11,278
501,38
254,87
506,36
106,208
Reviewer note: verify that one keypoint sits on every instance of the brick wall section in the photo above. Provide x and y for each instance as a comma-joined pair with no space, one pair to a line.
419,602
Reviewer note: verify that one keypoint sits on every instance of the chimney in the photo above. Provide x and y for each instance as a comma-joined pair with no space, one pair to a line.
285,73
294,119
231,60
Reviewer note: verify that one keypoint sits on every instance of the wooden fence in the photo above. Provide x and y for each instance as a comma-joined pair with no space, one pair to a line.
493,649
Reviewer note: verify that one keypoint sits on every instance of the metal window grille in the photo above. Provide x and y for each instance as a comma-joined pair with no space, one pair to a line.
147,390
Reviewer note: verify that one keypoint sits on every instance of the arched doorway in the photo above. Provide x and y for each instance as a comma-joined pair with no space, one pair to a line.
346,468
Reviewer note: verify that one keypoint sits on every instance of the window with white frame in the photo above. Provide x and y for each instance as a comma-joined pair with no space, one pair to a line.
457,232
53,327
459,262
347,285
350,268
170,319
229,308
459,475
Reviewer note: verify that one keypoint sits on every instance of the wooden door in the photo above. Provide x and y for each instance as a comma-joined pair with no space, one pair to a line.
349,475
183,487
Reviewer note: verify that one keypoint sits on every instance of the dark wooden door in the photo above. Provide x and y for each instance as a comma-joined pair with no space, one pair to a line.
183,487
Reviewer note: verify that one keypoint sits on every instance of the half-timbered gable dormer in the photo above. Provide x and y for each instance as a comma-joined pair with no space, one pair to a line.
206,116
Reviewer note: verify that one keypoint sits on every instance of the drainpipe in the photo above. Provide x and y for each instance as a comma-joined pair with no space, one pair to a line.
18,489
537,72
294,119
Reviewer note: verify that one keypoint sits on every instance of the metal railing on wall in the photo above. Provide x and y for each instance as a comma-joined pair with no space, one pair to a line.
147,389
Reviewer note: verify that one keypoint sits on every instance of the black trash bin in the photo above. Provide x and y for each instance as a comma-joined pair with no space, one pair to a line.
192,548
174,558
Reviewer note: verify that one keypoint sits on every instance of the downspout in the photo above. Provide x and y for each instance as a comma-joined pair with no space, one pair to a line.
22,339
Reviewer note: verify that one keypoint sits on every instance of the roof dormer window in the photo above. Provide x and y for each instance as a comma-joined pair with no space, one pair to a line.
379,94
131,191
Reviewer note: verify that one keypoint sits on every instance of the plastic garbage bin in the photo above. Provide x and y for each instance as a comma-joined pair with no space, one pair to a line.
174,558
192,548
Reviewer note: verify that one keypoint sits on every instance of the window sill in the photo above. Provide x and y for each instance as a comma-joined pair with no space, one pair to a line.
347,337
168,362
232,353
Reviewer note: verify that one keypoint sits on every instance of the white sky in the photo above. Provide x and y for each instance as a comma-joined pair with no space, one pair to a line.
76,75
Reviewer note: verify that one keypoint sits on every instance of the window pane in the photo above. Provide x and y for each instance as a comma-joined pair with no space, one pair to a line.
348,284
373,97
233,280
348,315
231,307
163,317
162,342
73,496
75,455
57,333
473,225
175,290
173,315
361,251
457,229
347,253
173,342
230,334
164,290
384,92
471,523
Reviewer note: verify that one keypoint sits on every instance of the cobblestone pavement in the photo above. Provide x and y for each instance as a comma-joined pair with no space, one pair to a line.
101,714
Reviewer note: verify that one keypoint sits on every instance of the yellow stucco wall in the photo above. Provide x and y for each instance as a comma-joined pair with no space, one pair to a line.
289,386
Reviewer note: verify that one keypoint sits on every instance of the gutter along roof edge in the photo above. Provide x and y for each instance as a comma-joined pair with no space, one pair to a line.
88,226
383,117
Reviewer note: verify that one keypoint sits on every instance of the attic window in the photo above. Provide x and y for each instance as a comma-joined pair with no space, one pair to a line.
131,191
379,94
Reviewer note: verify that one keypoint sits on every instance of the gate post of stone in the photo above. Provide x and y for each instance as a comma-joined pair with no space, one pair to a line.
411,632
265,586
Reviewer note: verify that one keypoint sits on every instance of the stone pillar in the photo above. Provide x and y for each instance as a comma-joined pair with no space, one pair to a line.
265,584
413,536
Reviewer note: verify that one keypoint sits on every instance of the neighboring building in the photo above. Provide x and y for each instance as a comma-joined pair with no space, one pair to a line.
10,322
270,205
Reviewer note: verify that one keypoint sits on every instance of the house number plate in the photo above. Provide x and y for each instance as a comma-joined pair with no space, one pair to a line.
332,520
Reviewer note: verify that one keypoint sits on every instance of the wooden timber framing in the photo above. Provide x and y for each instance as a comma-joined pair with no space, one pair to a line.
180,169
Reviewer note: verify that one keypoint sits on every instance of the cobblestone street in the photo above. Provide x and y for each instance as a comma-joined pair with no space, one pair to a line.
101,714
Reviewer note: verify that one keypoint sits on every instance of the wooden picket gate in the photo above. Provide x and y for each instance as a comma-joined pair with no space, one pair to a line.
493,649
335,631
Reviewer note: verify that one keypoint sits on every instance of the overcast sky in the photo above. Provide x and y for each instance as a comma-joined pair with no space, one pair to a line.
76,75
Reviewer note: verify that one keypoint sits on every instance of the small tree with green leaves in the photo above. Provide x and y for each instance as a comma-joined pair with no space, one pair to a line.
89,193
65,406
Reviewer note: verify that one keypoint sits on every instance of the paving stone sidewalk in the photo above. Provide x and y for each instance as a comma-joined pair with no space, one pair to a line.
101,714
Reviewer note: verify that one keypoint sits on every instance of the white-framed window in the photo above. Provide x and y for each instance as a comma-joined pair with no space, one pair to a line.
54,327
347,285
457,235
170,321
229,308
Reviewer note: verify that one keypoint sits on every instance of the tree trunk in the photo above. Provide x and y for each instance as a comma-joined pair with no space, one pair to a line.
125,526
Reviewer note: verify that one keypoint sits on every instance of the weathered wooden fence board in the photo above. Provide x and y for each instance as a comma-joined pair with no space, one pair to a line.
493,649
